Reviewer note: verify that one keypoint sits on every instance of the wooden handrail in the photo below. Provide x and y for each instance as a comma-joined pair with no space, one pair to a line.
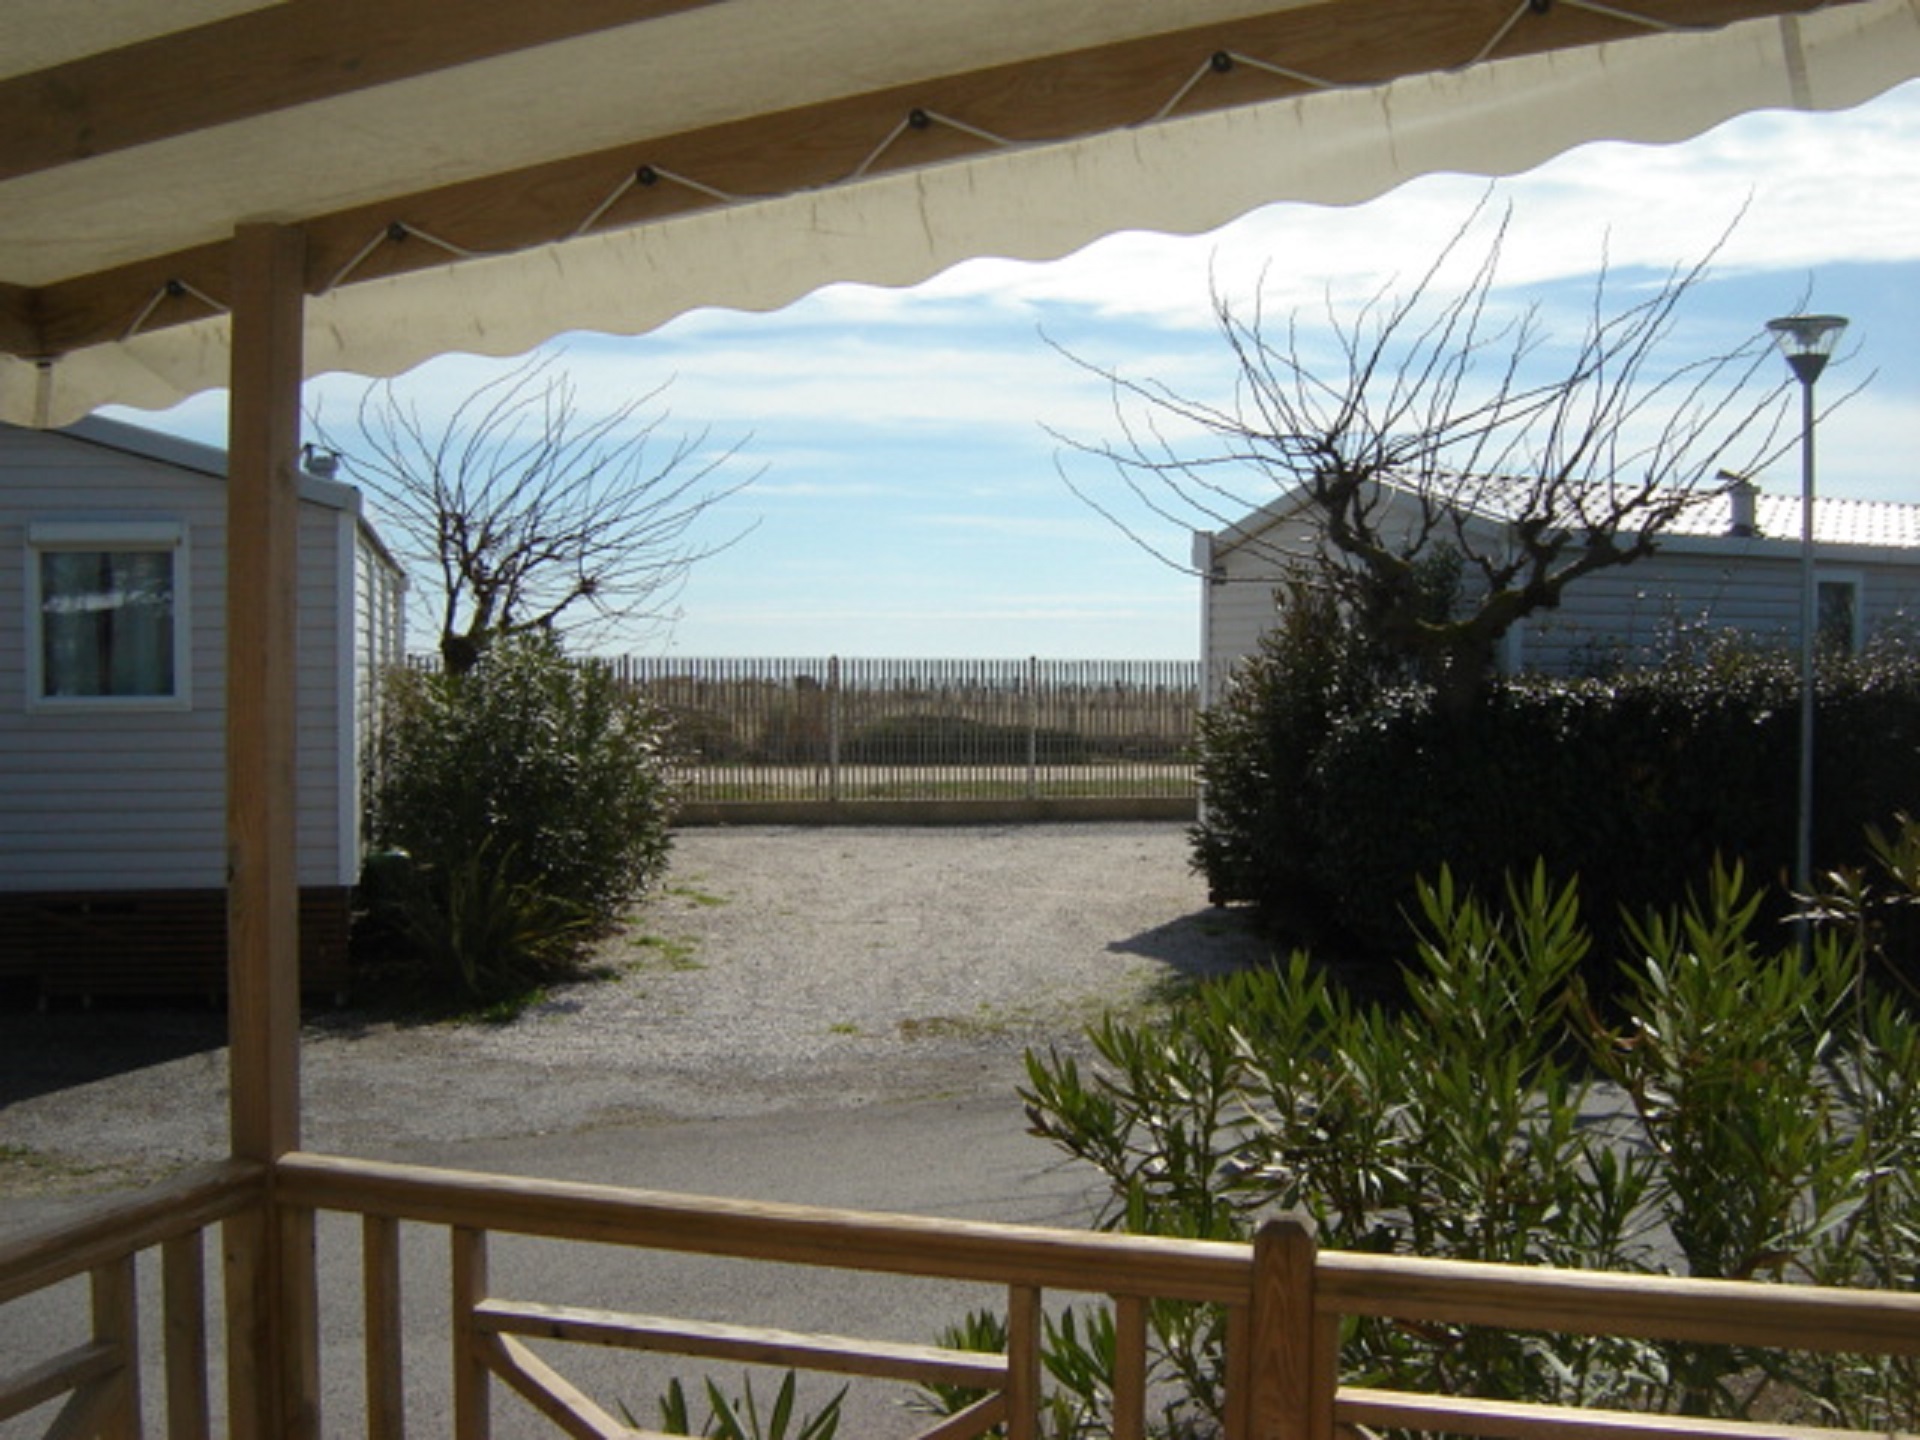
757,1230
111,1231
1593,1302
1518,1420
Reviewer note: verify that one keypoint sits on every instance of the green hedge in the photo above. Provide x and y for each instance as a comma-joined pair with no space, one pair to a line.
1634,785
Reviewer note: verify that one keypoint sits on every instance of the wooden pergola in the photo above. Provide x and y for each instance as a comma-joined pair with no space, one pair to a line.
227,192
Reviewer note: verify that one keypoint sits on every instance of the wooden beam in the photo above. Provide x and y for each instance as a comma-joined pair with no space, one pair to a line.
260,61
262,527
268,1332
1053,98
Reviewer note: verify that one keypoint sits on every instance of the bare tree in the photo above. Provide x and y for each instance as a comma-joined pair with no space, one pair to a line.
1449,427
532,514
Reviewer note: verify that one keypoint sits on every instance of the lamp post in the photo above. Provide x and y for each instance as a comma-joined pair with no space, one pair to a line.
1807,341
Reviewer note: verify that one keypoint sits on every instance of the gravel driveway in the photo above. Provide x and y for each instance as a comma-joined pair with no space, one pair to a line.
779,970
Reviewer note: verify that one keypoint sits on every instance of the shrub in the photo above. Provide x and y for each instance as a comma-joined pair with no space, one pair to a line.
1751,1115
1254,840
529,794
1328,798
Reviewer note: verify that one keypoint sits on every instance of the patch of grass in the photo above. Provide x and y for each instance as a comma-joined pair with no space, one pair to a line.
665,952
843,1027
695,896
939,1027
986,1023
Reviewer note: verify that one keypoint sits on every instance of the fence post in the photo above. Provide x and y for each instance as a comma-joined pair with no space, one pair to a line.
833,727
1033,727
1293,1367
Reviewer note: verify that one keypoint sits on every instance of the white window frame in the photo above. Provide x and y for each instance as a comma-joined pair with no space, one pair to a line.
52,536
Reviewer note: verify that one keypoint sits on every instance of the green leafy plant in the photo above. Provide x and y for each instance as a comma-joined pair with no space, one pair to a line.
739,1418
471,919
1744,1113
517,808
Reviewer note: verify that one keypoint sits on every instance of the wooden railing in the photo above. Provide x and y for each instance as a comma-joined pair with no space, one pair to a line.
1284,1304
98,1382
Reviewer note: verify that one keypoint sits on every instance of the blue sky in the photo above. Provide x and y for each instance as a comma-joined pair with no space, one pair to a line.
908,500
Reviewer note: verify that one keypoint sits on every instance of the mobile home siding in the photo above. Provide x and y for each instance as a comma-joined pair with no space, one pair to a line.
1630,613
135,800
1633,613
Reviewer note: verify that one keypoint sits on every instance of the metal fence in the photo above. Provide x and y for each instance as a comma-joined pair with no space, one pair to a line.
839,729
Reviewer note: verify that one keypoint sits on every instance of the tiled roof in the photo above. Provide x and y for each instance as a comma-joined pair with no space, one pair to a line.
1885,524
1836,521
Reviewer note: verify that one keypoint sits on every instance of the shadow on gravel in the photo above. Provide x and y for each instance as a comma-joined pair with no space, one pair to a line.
52,1050
1214,941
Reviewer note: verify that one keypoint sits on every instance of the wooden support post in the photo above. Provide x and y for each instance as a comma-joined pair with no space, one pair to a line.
1293,1367
271,1344
263,499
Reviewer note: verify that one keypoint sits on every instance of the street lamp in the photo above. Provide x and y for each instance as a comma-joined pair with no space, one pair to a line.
1807,341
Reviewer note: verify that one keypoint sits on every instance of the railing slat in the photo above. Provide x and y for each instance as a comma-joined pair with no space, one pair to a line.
116,1322
1129,1367
385,1352
299,1330
183,1282
834,1354
977,1419
550,1392
88,1411
83,1365
1024,1336
472,1402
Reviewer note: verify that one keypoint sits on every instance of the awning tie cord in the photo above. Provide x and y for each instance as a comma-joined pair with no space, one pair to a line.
1219,63
170,290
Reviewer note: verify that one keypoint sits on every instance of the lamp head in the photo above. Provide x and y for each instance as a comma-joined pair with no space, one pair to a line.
1807,341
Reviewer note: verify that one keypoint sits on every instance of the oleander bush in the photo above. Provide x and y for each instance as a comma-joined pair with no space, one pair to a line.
1748,1111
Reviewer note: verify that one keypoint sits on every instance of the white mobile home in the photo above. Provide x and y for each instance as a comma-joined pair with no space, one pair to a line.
1731,562
113,710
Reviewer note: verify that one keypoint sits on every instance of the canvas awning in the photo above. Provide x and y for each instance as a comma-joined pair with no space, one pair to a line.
484,174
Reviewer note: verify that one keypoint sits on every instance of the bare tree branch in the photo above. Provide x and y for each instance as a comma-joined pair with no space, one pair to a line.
1446,421
532,514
